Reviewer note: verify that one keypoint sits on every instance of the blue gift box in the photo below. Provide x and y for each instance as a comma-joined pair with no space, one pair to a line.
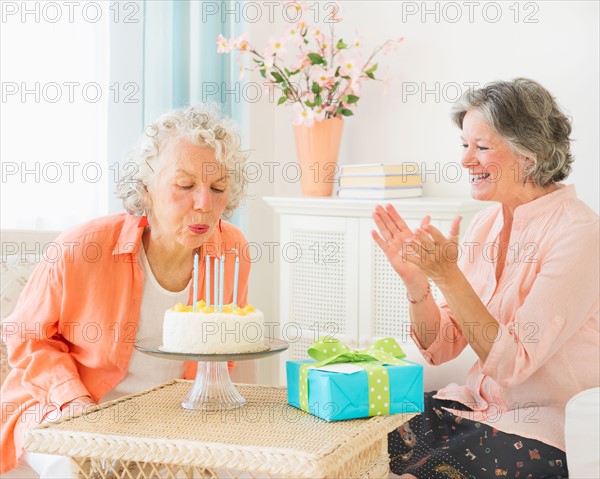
335,396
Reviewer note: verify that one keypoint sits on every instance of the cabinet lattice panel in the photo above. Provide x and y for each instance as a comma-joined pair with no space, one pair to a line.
299,347
318,290
341,283
390,305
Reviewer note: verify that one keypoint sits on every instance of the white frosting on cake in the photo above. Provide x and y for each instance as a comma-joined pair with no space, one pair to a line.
205,332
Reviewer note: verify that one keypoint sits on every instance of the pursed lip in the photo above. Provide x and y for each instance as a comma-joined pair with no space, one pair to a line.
198,229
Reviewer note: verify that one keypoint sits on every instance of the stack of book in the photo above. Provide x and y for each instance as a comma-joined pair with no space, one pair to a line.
379,181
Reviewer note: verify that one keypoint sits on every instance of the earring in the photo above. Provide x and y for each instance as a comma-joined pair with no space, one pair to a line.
220,228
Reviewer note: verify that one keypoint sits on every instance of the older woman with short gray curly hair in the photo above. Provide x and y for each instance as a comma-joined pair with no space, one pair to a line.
201,125
188,176
521,291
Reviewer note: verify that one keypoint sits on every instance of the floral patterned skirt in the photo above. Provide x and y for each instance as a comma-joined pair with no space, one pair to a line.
439,445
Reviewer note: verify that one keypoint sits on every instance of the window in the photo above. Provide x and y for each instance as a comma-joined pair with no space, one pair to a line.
60,87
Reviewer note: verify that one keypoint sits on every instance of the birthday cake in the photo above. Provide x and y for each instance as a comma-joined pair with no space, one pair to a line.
213,330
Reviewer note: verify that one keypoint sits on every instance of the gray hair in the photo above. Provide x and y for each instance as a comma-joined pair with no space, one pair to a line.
528,118
202,125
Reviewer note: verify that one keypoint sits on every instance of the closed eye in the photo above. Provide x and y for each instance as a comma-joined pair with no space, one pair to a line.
220,186
481,148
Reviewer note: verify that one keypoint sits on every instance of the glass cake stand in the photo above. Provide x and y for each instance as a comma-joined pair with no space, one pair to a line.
212,389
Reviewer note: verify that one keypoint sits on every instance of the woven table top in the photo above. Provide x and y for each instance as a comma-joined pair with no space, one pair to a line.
153,427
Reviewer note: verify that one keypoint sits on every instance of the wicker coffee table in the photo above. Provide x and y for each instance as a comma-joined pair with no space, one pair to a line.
149,435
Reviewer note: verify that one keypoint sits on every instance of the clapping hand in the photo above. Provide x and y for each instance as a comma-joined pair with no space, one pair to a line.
415,254
433,253
391,238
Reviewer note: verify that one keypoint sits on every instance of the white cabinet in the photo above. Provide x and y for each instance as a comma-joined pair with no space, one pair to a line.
334,279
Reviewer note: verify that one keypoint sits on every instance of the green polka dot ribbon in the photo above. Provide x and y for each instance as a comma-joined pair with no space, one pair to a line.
372,360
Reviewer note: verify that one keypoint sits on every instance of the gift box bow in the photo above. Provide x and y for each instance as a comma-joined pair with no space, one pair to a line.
372,360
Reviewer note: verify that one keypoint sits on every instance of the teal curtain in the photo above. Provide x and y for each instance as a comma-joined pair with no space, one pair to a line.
182,66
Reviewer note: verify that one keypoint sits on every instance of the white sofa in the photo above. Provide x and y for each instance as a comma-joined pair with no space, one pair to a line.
19,255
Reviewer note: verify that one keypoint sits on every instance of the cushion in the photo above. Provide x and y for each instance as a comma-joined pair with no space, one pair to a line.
582,434
15,271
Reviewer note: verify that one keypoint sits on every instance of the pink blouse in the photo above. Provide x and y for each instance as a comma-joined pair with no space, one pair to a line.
546,302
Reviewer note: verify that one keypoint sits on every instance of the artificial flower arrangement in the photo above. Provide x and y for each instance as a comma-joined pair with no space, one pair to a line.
321,76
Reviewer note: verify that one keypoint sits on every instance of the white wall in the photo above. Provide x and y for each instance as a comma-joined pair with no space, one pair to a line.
560,51
553,42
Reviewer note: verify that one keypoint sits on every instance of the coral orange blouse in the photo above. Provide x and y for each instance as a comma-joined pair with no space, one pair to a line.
72,331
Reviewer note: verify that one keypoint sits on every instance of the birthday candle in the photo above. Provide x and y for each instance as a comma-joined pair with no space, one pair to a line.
195,298
207,281
221,284
235,279
216,284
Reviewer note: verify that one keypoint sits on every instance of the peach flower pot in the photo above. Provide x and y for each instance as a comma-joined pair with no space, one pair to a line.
317,149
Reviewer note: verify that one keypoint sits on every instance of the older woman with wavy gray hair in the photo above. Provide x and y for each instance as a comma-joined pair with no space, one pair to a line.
521,291
202,126
184,177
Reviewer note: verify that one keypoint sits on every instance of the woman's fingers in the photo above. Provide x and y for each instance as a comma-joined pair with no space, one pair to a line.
395,236
379,240
438,236
383,226
396,218
448,247
427,243
412,253
420,246
392,221
424,240
455,229
435,234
